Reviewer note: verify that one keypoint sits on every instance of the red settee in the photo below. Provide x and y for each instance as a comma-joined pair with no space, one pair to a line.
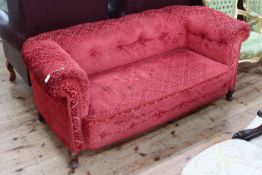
98,83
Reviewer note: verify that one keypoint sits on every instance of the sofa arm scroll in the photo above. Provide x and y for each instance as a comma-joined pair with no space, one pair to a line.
62,78
216,35
52,66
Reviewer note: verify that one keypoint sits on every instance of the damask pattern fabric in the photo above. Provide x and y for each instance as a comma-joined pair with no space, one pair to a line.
98,83
150,92
254,8
252,47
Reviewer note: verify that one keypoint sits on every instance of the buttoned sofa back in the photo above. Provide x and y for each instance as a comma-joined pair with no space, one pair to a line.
103,45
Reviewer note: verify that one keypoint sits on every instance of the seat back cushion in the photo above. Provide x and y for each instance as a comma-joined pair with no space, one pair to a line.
103,45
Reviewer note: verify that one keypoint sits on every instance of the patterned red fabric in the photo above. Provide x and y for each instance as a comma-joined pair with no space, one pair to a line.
150,92
108,80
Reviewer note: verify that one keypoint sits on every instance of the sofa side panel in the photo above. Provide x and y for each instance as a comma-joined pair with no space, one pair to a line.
54,111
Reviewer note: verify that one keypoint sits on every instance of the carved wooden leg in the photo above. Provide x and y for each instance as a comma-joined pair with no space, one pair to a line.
10,68
229,95
41,118
74,162
248,134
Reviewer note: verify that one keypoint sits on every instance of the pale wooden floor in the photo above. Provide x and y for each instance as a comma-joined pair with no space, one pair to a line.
29,147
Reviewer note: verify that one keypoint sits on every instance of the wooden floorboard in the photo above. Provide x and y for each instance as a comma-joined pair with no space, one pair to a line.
29,147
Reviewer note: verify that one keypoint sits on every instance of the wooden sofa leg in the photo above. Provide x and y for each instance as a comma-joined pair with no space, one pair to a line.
10,68
74,162
41,118
229,95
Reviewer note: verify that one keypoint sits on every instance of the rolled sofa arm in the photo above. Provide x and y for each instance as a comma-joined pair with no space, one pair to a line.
60,77
216,35
52,66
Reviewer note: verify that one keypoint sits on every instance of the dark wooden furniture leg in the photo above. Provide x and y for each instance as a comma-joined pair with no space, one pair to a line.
229,95
10,68
41,118
74,162
250,134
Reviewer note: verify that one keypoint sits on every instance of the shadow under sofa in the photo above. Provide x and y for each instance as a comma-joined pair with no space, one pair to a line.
98,83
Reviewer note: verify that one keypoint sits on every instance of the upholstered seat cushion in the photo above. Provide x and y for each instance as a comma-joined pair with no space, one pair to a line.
137,96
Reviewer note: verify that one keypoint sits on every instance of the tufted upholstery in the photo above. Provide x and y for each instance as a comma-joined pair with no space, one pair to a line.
254,9
252,47
228,7
98,83
90,41
254,5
